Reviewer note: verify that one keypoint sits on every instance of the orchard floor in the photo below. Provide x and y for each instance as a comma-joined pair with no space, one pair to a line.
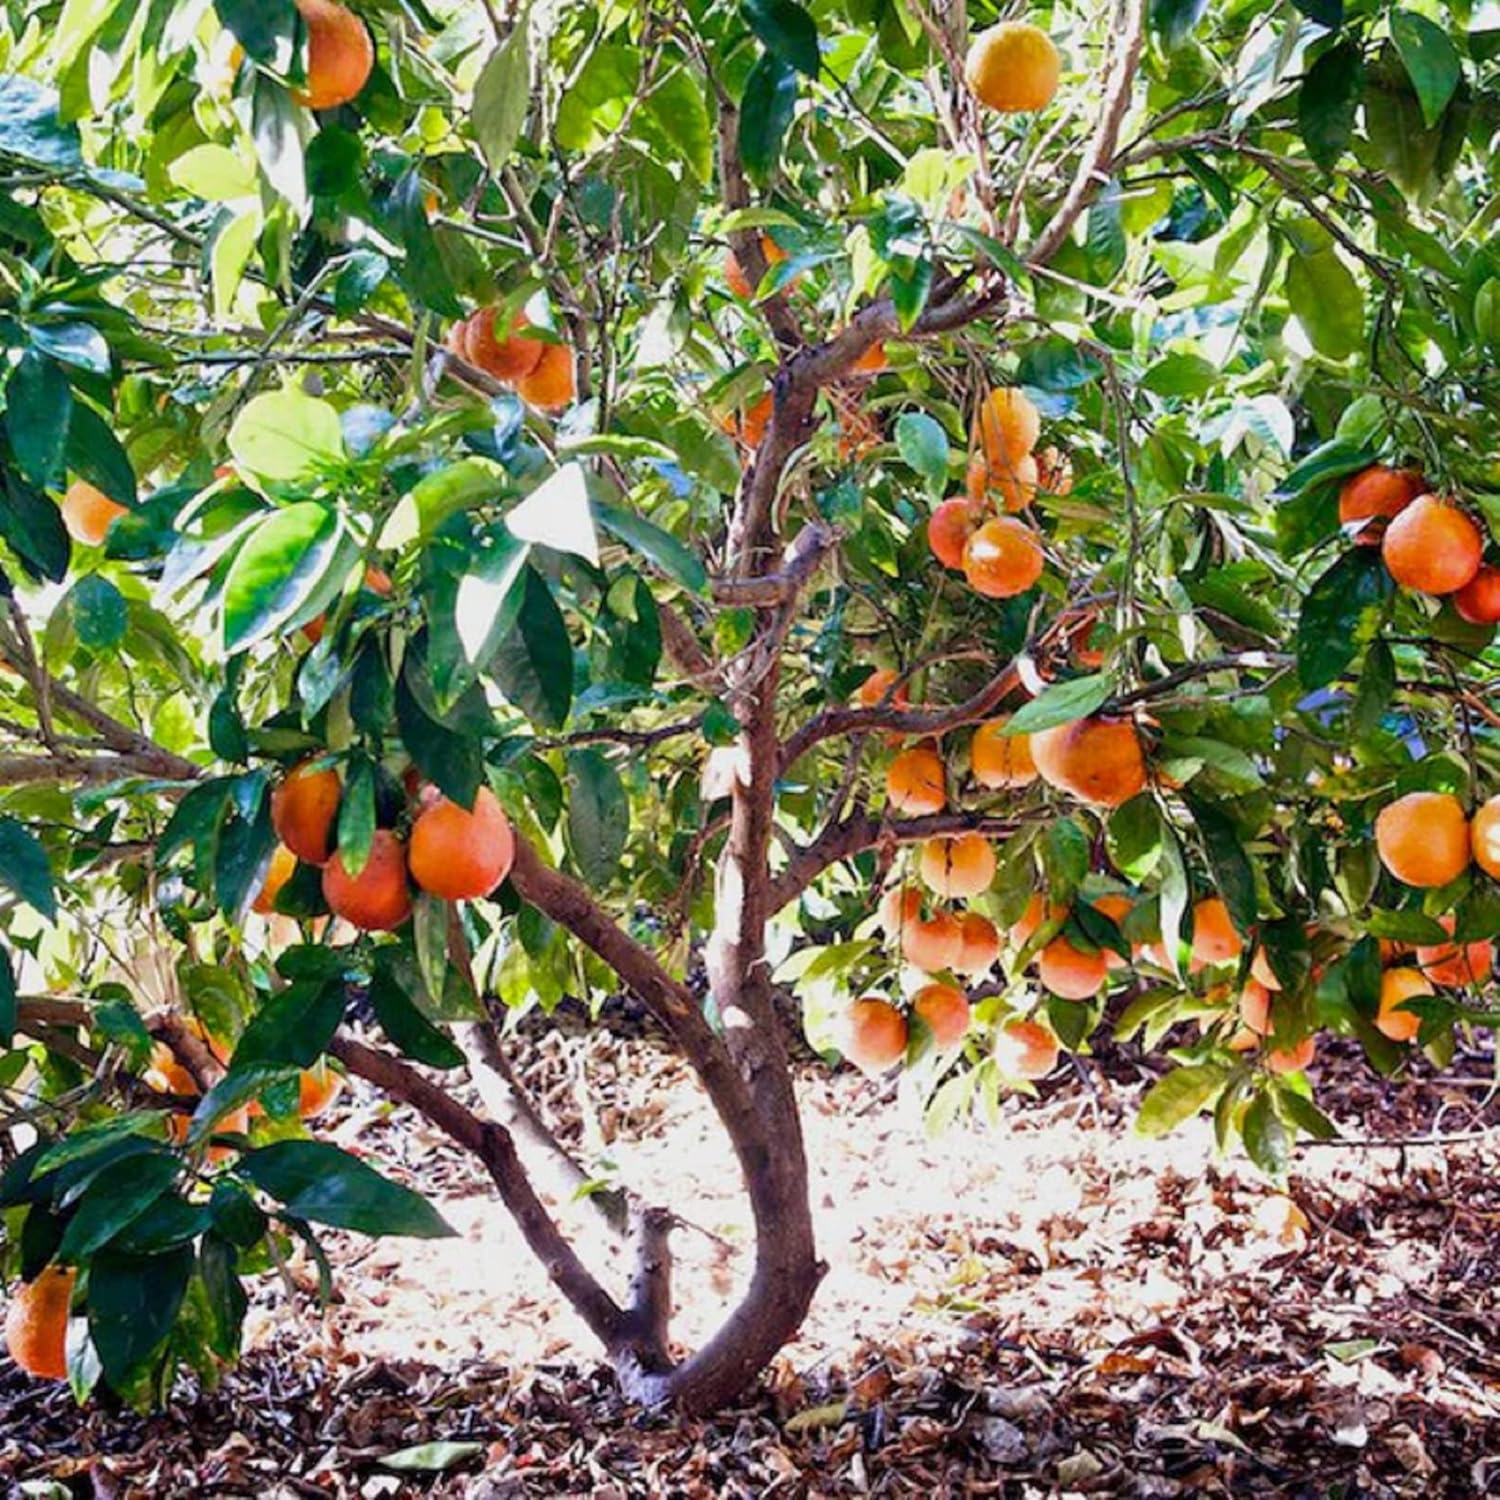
1044,1306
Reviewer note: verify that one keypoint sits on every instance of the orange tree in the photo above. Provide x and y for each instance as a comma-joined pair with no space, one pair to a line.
978,521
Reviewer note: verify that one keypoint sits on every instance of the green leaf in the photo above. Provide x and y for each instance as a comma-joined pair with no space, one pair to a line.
1181,374
78,344
233,246
30,127
132,1305
38,411
534,665
24,870
1305,1115
1339,614
217,1261
424,269
1432,61
678,561
766,109
1328,302
923,444
408,1030
502,93
1134,836
356,824
1178,1097
1266,1140
787,30
8,1001
293,1028
283,435
266,29
556,514
1174,20
97,455
1334,460
214,173
1329,13
318,1182
430,1458
117,1198
1377,686
452,760
1227,860
1328,102
1062,703
99,613
277,570
598,815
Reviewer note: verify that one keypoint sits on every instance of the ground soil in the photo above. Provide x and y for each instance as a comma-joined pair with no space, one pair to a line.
1040,1304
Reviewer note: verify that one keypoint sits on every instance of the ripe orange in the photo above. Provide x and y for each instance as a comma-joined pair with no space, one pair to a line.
509,359
1095,760
1116,907
1432,547
1396,987
1008,428
734,274
1423,838
1025,1049
957,868
900,906
461,855
1038,910
949,528
1071,972
1454,966
1054,472
945,1011
1215,938
1013,67
980,946
1262,972
1484,837
1292,1059
874,1035
748,426
36,1326
303,809
553,384
1002,558
914,782
166,1075
340,54
317,1088
281,869
378,899
1084,639
1377,494
88,513
1478,601
933,944
1255,1007
999,759
977,479
1016,481
871,362
872,692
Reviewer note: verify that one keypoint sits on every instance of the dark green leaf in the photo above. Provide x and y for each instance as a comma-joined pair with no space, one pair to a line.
132,1305
678,561
1432,61
1339,614
1328,103
1328,302
598,815
116,1198
1329,13
264,28
356,823
77,344
787,31
334,158
236,1215
452,761
534,665
8,1006
1232,871
294,1027
99,614
425,272
24,870
1061,703
766,110
1305,1115
33,525
217,1261
1266,1141
1174,20
38,409
1377,686
316,1181
276,571
409,1031
97,455
923,444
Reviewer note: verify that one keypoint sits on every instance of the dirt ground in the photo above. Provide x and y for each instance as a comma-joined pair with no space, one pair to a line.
1043,1305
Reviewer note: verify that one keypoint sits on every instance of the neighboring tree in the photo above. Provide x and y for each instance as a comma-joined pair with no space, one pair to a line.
504,502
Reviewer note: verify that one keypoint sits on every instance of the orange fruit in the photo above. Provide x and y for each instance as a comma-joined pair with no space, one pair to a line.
1292,1059
949,528
1432,547
1484,837
1025,1049
979,947
1002,558
1070,972
378,899
1083,639
1376,495
933,944
1423,838
1013,67
236,1122
166,1075
734,274
1038,910
553,384
874,1035
749,425
875,690
1262,972
1396,987
88,513
509,359
1016,481
1054,472
317,1088
281,869
957,868
1008,428
1116,907
977,479
898,906
1215,938
1478,601
945,1011
1255,1008
1454,966
340,54
461,855
36,1326
303,810
915,781
871,362
1095,760
999,759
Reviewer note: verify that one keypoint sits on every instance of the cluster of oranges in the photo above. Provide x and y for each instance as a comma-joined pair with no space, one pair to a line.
454,853
998,554
1426,541
542,373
